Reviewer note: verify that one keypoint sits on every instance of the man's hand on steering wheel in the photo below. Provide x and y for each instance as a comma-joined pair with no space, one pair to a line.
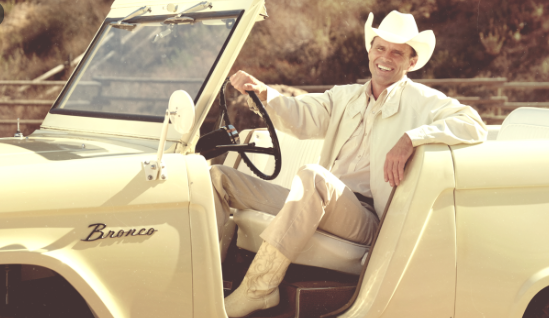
243,82
225,138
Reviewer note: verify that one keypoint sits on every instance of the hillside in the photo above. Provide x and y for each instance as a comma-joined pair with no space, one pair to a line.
38,35
322,42
304,42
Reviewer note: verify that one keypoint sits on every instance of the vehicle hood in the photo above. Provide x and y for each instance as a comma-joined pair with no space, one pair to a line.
16,151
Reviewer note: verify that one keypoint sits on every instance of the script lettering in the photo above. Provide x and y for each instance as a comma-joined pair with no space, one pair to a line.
98,229
98,232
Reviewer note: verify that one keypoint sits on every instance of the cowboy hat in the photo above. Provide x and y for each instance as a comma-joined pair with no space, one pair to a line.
402,28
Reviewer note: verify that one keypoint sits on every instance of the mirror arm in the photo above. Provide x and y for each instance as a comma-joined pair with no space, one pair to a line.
155,170
163,137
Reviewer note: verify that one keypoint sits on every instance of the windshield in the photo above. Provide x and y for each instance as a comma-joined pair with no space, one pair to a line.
132,74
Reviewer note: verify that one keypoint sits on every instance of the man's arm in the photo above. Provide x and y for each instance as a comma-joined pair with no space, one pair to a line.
305,116
452,123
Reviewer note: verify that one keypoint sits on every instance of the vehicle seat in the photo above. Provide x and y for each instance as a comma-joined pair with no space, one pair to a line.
525,123
324,249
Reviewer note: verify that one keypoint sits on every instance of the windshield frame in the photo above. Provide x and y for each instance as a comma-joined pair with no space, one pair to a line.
55,109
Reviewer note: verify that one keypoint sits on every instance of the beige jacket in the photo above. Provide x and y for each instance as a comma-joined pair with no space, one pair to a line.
427,115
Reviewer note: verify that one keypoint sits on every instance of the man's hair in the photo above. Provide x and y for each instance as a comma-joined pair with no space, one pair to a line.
412,55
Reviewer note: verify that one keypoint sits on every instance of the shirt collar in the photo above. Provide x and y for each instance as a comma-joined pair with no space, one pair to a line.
389,90
392,98
390,105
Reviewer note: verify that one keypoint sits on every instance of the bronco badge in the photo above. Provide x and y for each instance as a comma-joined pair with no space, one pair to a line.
98,234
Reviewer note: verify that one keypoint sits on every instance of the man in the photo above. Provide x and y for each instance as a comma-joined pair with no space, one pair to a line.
369,133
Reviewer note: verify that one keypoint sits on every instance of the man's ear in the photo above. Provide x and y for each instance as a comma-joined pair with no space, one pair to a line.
413,62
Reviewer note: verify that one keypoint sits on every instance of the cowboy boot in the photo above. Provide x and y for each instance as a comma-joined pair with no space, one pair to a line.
259,288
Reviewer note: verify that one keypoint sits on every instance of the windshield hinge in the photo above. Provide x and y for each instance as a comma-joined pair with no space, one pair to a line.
263,13
130,26
180,19
197,7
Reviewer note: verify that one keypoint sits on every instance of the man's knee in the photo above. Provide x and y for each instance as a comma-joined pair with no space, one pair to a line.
311,172
217,170
218,173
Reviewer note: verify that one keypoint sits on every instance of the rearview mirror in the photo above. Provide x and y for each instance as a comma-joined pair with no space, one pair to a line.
181,109
181,113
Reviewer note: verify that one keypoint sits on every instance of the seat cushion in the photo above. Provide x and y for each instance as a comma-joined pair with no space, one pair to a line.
323,250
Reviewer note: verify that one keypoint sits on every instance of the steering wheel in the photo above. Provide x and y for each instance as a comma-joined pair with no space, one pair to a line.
226,138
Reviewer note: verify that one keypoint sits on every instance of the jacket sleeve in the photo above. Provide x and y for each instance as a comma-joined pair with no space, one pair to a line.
449,121
305,116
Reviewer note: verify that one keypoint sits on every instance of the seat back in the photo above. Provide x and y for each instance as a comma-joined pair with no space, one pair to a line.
525,123
295,154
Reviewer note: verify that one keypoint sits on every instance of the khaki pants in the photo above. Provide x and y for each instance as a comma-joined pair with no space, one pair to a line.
317,200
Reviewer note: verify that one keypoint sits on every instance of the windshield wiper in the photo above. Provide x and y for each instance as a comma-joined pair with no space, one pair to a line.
197,7
130,26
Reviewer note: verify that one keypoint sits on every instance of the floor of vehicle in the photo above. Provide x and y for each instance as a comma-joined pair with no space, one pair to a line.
305,291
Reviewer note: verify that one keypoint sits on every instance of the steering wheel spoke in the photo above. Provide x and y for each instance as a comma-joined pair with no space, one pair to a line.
248,148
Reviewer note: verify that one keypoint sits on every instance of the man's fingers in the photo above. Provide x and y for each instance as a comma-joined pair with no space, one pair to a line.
386,170
235,82
243,82
396,179
389,172
239,80
393,170
396,160
251,87
401,165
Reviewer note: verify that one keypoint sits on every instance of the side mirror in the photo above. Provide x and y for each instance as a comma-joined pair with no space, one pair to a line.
181,113
181,109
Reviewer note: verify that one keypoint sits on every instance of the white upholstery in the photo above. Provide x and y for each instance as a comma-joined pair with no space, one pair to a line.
295,154
323,250
493,131
525,123
228,230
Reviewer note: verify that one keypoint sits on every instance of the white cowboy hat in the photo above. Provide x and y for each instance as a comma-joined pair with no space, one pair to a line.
402,28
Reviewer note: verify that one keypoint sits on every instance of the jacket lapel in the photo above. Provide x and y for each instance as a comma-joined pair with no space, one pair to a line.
349,123
392,103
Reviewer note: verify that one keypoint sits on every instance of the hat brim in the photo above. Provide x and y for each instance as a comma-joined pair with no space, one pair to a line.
424,42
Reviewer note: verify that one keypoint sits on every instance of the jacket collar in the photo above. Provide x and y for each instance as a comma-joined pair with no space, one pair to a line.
358,102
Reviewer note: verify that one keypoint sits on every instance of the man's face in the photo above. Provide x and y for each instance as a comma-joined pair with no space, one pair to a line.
389,62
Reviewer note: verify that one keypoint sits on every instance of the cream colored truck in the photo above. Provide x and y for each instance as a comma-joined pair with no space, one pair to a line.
106,211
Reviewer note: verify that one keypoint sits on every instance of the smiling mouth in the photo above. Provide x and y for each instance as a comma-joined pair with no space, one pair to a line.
384,68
